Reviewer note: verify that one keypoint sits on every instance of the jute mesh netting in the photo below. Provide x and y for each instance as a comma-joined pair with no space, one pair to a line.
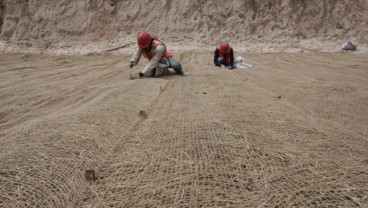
201,143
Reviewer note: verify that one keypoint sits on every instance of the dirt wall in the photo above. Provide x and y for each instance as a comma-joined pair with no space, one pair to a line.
1,13
192,21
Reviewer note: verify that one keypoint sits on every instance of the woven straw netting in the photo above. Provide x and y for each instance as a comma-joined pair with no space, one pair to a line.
231,146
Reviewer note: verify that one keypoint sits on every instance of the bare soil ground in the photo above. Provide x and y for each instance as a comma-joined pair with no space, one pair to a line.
292,131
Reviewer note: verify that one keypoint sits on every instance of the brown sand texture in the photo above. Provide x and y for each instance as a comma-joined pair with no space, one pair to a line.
256,25
290,132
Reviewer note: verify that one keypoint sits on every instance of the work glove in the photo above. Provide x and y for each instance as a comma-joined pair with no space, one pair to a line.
185,73
131,64
136,76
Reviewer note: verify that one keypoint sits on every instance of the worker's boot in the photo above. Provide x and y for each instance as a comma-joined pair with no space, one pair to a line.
179,70
184,73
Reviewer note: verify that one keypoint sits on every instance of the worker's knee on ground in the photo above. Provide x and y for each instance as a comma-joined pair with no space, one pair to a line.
220,60
151,73
159,72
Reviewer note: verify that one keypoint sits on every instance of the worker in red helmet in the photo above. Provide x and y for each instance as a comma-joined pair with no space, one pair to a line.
160,59
224,55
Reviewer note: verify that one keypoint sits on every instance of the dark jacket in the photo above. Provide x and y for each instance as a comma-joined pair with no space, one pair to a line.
217,55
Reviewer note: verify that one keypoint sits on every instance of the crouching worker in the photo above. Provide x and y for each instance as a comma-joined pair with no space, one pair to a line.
224,55
160,59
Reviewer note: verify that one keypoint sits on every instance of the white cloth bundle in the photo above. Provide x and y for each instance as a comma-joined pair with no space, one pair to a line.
240,63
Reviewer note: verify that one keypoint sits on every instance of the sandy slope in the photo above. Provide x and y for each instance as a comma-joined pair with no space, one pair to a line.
292,131
72,24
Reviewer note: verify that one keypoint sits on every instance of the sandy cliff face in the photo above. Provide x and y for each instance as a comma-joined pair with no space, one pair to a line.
1,14
44,23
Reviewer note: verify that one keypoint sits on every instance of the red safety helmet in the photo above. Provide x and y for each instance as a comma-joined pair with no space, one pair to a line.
224,47
143,39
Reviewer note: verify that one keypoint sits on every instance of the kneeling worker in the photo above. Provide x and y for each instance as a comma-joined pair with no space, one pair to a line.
160,59
224,55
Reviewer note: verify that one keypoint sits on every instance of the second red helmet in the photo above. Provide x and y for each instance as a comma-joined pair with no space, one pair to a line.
224,47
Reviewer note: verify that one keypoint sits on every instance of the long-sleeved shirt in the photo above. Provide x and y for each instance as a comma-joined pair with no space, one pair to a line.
217,55
158,51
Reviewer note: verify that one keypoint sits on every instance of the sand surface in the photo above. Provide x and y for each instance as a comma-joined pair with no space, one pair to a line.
291,131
